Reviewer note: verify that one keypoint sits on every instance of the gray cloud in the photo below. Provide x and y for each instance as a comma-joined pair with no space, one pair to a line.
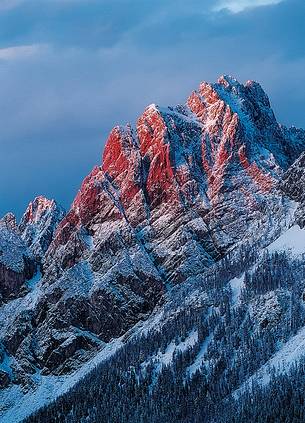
72,70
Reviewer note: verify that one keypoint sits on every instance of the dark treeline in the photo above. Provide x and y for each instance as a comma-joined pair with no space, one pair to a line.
282,400
233,339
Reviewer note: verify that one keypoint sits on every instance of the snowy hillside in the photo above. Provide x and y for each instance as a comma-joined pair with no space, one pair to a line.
175,280
204,340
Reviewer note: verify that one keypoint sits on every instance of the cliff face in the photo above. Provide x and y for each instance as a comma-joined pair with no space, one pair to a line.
187,177
22,246
16,260
293,185
38,224
170,198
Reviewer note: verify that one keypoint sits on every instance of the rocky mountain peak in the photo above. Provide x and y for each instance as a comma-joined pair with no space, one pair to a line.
36,209
222,149
9,221
39,222
172,196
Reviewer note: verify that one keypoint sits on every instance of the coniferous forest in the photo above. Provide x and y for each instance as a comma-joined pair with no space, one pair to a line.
195,364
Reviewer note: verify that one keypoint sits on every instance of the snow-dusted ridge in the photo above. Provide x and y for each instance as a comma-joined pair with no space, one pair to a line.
281,362
20,405
170,237
50,387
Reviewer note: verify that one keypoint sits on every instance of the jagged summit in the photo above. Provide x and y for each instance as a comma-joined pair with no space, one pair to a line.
225,136
36,209
183,189
39,222
9,221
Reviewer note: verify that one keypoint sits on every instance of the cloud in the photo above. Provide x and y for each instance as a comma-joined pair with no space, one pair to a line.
237,6
19,52
69,74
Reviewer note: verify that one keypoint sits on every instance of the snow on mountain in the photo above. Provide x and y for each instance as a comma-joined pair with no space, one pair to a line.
19,404
281,362
293,241
13,250
201,337
39,223
16,260
189,189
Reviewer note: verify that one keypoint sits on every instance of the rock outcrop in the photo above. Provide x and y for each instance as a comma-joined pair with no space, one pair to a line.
169,199
16,261
38,224
293,185
187,178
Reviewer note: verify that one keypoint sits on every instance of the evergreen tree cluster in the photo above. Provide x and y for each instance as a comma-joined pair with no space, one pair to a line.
214,345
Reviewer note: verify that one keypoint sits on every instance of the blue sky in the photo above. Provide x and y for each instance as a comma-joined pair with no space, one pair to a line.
72,69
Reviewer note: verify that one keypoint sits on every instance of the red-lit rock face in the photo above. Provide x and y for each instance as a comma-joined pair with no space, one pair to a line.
263,180
155,148
169,199
122,168
37,208
223,148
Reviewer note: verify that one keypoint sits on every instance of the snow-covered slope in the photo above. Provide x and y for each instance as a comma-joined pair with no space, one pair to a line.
201,336
39,223
293,240
189,189
16,260
202,343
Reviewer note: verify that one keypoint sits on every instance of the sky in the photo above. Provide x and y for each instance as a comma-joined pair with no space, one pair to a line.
70,70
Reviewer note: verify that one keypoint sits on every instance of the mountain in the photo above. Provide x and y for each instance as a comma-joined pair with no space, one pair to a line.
165,270
16,260
225,347
39,223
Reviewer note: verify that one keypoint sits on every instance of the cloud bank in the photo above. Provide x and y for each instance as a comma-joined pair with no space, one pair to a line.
237,6
19,52
71,70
